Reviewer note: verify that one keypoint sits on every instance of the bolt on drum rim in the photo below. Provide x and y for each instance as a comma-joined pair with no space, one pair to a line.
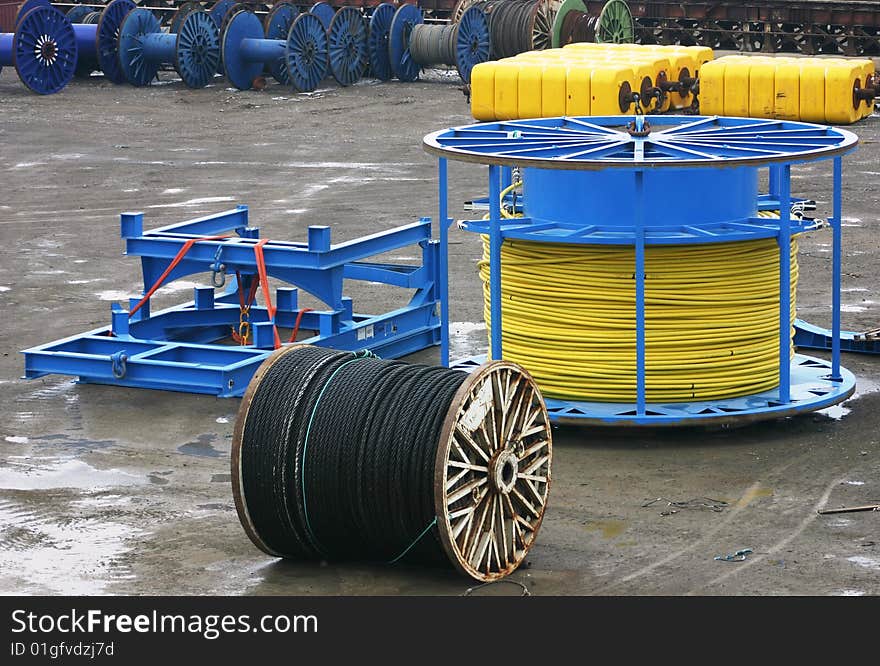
492,471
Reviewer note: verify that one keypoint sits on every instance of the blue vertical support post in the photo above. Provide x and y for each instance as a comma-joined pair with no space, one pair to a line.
443,223
783,175
773,187
495,258
836,250
640,292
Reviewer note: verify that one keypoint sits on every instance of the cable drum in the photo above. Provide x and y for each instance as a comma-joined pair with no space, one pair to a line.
579,27
711,312
433,44
518,26
344,456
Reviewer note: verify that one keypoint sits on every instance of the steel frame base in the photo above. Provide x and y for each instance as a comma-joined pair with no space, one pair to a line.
188,348
811,390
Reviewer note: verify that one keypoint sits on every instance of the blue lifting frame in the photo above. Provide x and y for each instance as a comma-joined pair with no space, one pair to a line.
187,347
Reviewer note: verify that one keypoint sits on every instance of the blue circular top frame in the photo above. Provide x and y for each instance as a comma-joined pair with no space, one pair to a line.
603,142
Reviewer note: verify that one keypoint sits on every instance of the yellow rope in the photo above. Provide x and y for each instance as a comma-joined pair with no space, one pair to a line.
711,313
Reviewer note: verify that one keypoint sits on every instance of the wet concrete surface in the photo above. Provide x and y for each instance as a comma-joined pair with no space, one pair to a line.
124,491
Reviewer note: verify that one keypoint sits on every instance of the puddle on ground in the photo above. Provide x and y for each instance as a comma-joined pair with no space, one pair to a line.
863,387
25,473
866,562
467,338
70,556
609,528
201,447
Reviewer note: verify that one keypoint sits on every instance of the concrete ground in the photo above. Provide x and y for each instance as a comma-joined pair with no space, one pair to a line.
122,491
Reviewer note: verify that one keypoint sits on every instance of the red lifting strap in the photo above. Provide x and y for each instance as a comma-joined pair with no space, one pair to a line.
177,259
299,317
264,282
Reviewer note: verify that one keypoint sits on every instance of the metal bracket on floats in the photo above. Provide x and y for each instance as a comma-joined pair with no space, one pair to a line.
186,347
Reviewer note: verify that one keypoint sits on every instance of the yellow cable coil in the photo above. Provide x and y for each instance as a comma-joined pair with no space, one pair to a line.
712,318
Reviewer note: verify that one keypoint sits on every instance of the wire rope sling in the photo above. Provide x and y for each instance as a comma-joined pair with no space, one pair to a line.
344,456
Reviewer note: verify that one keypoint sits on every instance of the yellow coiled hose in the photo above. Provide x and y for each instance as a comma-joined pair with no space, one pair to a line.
711,313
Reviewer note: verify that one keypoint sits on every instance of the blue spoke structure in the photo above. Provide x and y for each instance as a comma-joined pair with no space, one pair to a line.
347,44
186,347
180,14
377,41
43,48
402,63
597,181
472,43
307,53
97,43
144,47
277,26
27,6
324,11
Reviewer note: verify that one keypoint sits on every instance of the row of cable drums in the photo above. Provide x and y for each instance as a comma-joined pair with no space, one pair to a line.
821,90
587,79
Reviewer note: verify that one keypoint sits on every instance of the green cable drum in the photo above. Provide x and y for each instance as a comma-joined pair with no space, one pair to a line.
344,456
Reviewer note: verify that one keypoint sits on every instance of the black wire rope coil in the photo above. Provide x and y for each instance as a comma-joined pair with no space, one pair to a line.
344,456
433,44
518,26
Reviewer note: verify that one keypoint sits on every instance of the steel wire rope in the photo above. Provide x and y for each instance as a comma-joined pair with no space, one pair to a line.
341,452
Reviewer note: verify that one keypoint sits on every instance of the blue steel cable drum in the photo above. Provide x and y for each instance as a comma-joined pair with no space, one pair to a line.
197,55
472,41
277,26
137,70
307,53
377,41
108,38
44,50
402,63
78,13
324,11
240,71
347,44
219,10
